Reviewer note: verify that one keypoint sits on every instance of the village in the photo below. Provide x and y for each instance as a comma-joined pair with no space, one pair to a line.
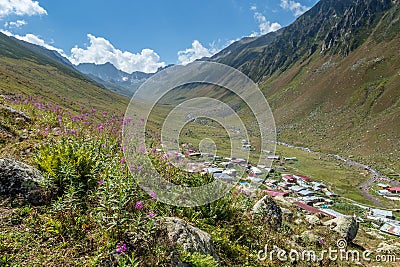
308,194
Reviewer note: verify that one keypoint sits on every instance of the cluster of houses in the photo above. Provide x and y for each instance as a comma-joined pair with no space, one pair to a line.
308,195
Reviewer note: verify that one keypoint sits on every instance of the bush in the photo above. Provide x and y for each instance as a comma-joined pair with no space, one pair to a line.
69,163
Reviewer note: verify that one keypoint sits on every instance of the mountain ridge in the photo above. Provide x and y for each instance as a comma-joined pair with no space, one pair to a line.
314,29
35,71
333,75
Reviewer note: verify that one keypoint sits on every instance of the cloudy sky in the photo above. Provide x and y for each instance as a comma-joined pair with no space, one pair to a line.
143,35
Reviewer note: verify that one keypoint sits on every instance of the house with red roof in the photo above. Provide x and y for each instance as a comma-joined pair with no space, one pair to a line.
289,178
394,190
275,193
303,178
306,207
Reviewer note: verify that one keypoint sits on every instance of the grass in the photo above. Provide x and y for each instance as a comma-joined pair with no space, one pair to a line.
98,215
42,77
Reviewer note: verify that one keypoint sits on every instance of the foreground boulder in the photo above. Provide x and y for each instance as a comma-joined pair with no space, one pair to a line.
18,179
192,239
345,226
266,210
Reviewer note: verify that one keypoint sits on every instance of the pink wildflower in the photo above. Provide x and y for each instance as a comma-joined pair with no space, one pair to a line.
139,205
121,248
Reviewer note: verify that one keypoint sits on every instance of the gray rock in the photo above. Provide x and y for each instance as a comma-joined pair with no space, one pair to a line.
281,200
267,211
312,220
20,179
17,113
192,239
345,226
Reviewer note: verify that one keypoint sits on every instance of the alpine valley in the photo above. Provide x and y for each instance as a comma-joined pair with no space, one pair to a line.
71,195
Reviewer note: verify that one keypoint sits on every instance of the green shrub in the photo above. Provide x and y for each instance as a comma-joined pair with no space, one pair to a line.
71,163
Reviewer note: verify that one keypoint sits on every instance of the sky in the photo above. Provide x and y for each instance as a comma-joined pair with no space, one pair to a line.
143,35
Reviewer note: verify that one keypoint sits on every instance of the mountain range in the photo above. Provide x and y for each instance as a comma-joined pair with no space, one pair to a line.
331,78
113,78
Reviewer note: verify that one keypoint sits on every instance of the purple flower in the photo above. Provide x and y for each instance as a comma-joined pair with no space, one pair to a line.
322,241
153,194
121,248
151,215
103,145
100,127
100,182
73,131
123,160
140,167
75,118
139,205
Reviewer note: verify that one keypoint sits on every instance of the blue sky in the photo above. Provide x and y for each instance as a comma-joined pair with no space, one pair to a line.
143,35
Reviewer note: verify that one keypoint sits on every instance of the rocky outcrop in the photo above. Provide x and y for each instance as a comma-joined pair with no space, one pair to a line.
18,179
312,220
16,112
345,226
192,239
267,211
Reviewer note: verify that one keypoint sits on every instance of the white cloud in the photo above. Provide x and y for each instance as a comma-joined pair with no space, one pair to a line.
264,25
197,51
297,8
20,8
254,8
101,51
15,24
34,39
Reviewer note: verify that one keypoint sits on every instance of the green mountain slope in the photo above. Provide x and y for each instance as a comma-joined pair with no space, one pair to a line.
332,79
35,71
